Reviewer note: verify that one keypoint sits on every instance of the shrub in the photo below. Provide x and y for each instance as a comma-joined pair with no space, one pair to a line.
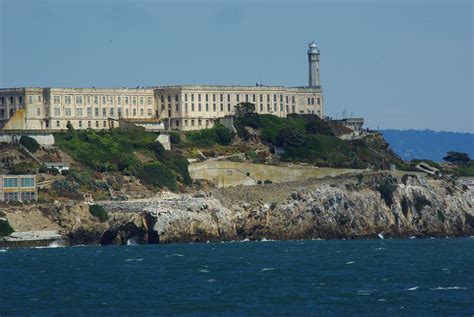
29,143
5,228
175,138
24,168
99,212
157,174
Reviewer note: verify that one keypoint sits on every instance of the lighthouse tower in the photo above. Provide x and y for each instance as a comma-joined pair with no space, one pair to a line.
313,60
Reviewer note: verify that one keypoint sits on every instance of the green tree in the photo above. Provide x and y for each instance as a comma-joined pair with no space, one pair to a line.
289,137
244,108
458,158
29,143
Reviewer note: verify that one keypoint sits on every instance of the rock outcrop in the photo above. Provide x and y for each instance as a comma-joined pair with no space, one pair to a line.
412,206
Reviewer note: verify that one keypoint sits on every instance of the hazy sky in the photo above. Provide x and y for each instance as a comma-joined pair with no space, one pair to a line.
400,64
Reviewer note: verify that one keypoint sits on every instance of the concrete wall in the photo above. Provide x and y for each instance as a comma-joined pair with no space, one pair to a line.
45,139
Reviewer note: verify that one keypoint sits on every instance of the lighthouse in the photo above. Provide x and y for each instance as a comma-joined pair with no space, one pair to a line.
313,63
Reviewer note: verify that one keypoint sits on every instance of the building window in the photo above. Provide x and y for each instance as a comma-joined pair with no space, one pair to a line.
228,107
104,123
134,100
30,99
88,100
192,97
10,182
79,100
11,197
185,107
149,112
104,100
119,112
192,107
309,101
111,111
89,124
79,112
177,123
176,98
2,101
126,112
292,99
148,101
126,100
89,112
28,182
199,97
261,107
207,107
261,98
142,112
134,112
67,112
97,124
57,100
104,112
96,100
96,112
27,196
111,100
199,107
319,101
192,122
238,98
58,124
207,97
20,100
67,100
214,107
57,112
38,112
142,100
222,107
185,97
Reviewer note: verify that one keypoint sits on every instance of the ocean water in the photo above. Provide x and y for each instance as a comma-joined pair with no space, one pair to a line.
414,277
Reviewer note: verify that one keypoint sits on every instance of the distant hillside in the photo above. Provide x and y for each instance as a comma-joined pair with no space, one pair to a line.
428,144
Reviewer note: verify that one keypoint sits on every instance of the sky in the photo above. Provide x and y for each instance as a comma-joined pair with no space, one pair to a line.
399,64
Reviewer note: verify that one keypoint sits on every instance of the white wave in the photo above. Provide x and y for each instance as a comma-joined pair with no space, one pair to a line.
204,271
365,292
137,260
211,280
266,240
414,288
246,240
350,262
174,254
268,269
377,249
449,288
412,237
132,241
3,250
380,235
382,300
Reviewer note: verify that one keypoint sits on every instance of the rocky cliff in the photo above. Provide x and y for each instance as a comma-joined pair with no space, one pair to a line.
411,206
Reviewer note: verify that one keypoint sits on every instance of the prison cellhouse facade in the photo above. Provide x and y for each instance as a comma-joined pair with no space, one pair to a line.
181,107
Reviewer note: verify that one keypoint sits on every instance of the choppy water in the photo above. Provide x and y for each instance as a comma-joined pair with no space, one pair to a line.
394,277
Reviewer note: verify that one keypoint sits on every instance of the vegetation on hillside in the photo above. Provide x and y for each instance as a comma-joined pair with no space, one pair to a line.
29,143
5,228
117,150
307,138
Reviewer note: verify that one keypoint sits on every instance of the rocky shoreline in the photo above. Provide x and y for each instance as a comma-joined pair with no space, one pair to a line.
411,206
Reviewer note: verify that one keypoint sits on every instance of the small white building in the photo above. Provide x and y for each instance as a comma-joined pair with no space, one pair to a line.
60,166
